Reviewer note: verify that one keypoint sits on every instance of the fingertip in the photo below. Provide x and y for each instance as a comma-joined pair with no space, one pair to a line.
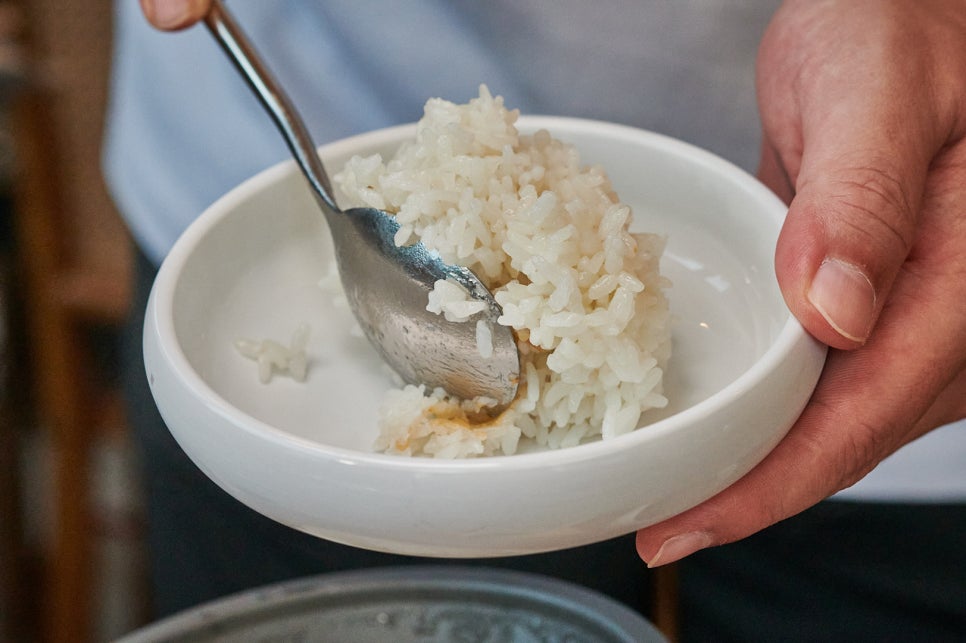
644,550
832,296
844,296
676,547
172,15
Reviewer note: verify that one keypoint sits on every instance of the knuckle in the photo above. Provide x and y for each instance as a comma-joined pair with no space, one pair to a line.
840,453
864,449
874,206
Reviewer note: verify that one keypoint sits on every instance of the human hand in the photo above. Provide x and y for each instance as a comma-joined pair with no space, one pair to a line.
171,15
865,135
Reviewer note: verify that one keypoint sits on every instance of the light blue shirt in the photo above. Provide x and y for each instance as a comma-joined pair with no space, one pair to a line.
183,128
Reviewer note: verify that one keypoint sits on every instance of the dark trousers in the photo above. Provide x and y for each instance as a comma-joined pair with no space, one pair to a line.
840,571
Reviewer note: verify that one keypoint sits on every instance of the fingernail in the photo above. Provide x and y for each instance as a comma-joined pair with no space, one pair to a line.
677,547
167,13
845,297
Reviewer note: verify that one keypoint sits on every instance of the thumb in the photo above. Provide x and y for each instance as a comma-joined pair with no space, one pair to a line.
849,227
854,117
171,15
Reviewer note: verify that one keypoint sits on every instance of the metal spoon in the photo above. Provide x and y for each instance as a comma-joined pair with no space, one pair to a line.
386,285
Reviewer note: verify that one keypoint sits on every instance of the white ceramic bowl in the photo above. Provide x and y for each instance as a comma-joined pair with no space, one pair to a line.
300,453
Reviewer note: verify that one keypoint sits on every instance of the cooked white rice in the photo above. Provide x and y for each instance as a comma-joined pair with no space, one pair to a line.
274,357
550,239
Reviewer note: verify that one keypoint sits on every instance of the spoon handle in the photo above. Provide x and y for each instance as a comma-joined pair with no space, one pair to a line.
229,35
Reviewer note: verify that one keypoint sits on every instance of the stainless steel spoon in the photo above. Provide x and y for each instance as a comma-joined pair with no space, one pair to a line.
387,286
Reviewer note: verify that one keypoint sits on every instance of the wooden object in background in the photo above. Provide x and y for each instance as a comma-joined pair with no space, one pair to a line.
75,258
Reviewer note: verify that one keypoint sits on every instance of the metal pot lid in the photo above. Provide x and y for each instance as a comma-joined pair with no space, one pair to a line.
424,604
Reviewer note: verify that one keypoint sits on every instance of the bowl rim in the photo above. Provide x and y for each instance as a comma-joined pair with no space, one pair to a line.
166,282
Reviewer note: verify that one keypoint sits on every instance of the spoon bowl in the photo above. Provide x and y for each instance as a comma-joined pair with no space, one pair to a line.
387,286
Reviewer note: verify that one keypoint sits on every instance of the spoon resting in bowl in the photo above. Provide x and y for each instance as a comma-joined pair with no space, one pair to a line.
387,286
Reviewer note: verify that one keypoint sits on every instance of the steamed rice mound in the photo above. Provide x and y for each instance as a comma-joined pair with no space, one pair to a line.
550,238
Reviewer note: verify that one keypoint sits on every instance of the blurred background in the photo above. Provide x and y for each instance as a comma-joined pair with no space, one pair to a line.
72,563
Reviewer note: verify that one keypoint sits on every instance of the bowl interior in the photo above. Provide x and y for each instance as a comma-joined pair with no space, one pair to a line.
251,266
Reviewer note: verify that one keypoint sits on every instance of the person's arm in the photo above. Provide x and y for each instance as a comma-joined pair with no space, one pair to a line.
863,104
171,15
